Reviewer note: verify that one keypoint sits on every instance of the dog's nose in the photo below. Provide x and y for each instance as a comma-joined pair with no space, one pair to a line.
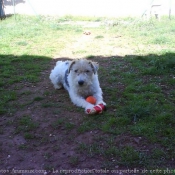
81,82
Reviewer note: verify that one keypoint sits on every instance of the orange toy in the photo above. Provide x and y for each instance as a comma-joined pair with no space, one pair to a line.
91,100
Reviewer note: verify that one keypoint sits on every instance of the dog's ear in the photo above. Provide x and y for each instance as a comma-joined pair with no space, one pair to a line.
94,66
70,66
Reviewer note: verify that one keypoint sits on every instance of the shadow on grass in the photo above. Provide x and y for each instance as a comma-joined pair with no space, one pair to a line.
137,129
122,78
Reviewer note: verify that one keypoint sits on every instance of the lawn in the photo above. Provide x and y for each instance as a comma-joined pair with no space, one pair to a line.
40,129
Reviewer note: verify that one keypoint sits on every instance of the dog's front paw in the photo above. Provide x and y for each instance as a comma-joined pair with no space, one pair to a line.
90,111
89,108
96,109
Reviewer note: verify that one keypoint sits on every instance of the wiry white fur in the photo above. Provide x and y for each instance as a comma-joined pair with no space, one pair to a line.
80,70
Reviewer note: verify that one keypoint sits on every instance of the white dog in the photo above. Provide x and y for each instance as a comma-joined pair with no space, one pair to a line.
79,77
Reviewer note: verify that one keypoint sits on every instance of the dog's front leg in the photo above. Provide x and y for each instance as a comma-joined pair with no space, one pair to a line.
80,101
99,99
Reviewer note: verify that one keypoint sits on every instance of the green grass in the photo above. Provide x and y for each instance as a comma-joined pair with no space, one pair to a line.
18,69
138,128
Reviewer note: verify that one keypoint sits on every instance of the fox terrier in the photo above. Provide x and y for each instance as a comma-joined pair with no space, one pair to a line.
79,77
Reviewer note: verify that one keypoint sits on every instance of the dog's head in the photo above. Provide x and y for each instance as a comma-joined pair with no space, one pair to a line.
82,71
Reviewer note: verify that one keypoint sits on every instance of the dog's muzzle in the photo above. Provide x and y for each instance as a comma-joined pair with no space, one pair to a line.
80,82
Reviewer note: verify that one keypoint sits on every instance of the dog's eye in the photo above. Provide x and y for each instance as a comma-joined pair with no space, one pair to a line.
87,71
76,71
